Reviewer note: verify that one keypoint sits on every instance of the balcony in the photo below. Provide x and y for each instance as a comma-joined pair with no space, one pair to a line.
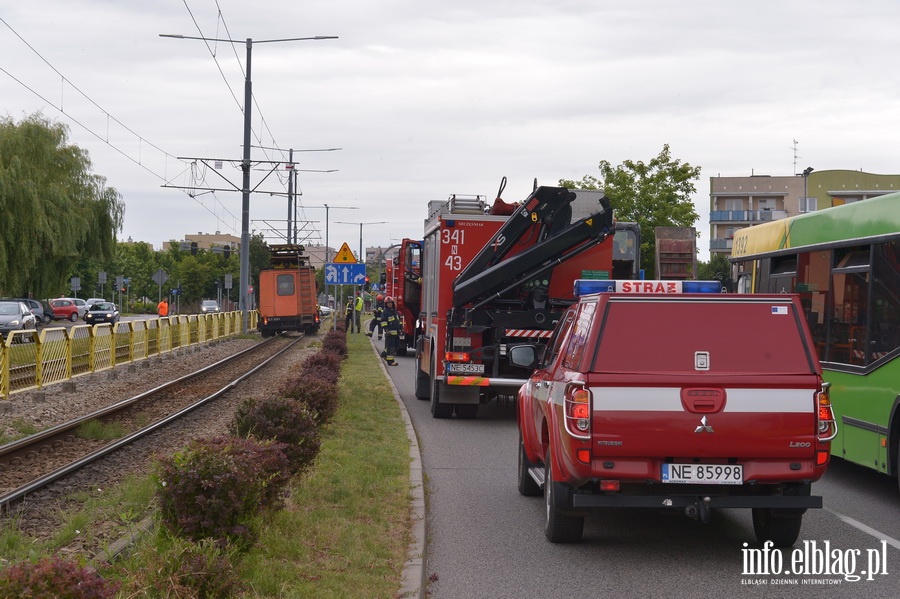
746,216
718,245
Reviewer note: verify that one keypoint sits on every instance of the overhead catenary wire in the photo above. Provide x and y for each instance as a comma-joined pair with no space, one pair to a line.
59,106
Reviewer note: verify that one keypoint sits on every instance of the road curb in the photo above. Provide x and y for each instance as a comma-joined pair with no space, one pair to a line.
413,577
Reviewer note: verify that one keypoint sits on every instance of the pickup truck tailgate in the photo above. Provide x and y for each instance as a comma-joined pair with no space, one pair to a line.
728,379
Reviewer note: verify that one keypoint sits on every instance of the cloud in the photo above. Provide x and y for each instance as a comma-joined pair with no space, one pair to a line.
431,98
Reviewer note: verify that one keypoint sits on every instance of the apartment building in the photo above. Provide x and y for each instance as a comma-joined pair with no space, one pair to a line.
738,202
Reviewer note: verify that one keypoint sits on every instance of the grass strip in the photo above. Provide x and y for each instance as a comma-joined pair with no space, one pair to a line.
345,528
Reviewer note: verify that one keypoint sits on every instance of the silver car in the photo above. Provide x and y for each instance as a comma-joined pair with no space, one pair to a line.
15,316
209,306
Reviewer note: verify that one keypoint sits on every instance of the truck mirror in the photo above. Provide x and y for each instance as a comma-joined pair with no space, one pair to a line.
524,356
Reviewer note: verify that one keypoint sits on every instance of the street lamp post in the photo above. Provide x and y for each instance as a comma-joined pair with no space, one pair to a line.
806,173
245,162
327,256
362,257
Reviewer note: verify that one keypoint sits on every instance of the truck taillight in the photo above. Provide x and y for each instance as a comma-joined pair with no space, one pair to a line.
825,415
578,410
457,356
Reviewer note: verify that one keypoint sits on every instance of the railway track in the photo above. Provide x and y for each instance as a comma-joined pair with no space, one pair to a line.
34,462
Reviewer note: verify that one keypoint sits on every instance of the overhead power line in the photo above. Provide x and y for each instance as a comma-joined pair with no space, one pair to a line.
142,141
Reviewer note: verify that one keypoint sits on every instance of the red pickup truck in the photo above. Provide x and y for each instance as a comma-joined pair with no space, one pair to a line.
651,396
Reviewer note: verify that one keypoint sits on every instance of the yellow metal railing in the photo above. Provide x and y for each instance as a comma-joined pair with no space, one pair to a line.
34,360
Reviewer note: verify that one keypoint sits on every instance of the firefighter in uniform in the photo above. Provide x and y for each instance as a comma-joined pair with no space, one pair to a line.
376,320
348,318
390,320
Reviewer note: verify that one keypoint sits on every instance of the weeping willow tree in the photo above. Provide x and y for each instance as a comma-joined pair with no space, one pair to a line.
55,211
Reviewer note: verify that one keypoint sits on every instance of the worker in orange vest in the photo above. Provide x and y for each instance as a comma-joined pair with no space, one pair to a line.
163,308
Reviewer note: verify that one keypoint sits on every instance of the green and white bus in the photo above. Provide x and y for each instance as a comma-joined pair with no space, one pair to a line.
843,262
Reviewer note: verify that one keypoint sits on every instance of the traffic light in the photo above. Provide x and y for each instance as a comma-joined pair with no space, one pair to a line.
366,286
227,252
115,287
193,248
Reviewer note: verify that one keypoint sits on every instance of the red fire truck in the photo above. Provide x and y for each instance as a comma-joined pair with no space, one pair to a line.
403,282
500,275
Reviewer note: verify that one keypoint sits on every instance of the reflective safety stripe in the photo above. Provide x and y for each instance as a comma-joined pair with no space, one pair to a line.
527,333
668,399
470,381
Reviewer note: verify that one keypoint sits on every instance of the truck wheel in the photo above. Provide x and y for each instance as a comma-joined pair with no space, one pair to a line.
559,527
527,486
468,411
423,382
438,409
781,529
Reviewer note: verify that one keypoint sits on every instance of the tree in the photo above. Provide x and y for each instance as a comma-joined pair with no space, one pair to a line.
259,258
55,211
656,194
718,268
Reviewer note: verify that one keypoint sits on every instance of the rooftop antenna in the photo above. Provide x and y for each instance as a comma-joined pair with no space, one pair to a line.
796,156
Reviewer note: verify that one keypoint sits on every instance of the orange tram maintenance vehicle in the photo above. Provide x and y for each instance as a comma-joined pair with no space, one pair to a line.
287,292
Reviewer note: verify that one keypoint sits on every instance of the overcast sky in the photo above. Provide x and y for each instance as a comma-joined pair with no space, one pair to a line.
428,98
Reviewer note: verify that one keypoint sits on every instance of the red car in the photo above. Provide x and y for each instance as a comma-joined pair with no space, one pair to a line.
64,308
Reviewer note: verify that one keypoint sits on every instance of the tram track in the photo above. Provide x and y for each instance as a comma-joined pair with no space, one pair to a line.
34,462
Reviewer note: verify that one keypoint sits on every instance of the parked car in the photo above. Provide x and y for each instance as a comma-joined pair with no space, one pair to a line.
209,306
36,307
81,305
15,316
48,311
101,312
65,308
93,300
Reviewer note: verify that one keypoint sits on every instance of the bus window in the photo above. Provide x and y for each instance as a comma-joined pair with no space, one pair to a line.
813,285
782,272
848,310
885,334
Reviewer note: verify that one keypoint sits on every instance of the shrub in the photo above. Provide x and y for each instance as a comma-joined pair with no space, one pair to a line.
325,359
319,395
336,342
215,487
53,577
182,568
320,372
285,421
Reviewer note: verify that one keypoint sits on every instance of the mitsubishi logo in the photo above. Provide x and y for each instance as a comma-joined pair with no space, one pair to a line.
704,427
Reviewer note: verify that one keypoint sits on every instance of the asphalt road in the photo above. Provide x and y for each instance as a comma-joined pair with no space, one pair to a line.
486,541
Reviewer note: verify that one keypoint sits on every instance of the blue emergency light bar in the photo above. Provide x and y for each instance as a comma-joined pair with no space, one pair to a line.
588,286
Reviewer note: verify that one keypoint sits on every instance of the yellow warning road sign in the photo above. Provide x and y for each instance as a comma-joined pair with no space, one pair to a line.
344,255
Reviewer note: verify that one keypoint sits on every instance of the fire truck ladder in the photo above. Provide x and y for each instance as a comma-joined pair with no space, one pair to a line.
541,257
